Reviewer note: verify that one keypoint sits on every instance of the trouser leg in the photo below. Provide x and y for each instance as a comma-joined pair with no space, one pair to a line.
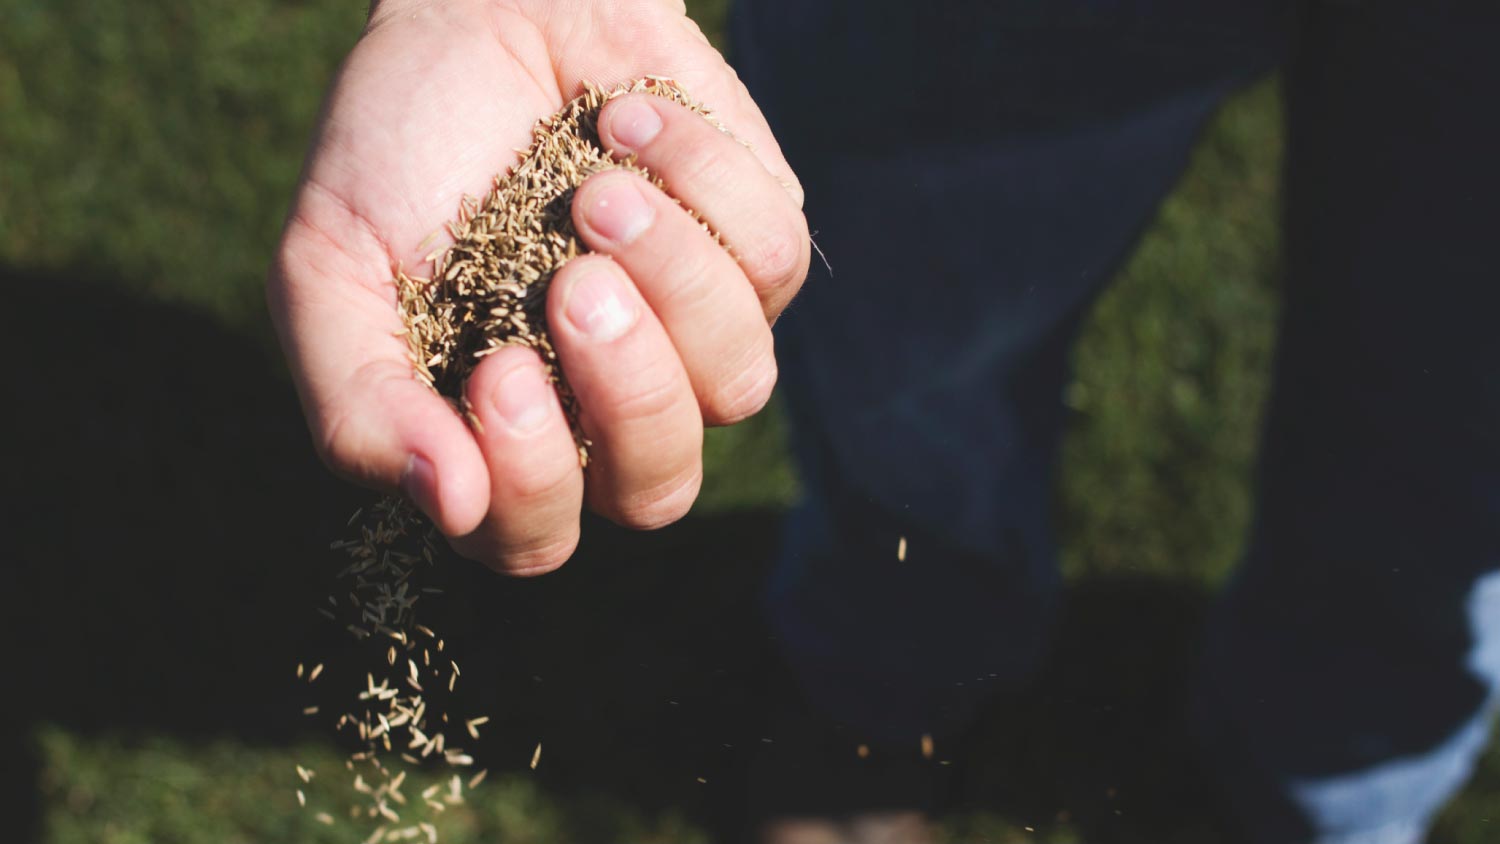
968,220
1352,670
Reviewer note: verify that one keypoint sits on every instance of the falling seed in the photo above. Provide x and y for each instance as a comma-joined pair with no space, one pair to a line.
301,799
324,818
486,291
305,774
702,780
863,751
901,550
478,778
926,746
309,710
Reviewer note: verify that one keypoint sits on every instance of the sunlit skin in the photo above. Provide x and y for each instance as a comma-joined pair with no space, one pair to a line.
670,335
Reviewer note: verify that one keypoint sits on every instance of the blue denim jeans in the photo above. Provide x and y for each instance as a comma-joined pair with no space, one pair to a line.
975,171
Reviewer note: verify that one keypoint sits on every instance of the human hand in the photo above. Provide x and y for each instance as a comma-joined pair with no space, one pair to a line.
670,335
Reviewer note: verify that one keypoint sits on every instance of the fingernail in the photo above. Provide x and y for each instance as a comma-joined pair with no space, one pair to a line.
634,123
521,399
419,482
619,211
598,305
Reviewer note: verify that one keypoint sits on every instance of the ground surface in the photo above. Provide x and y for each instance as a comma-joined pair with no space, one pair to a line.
170,547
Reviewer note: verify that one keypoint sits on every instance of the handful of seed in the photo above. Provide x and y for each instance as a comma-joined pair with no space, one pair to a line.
487,290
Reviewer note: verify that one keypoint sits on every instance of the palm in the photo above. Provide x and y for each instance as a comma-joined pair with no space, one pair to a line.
430,108
423,113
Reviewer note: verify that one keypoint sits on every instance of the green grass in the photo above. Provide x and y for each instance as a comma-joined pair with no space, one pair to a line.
1173,366
157,790
156,144
159,141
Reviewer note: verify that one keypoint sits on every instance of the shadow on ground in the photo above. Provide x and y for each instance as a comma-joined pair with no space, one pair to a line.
170,547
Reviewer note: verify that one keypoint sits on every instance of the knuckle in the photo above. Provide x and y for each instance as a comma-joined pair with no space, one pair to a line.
692,27
520,560
531,562
794,188
699,163
341,447
693,282
540,481
662,504
347,438
655,396
781,257
746,393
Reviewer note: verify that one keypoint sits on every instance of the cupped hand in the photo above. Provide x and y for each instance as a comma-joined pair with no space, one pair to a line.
668,333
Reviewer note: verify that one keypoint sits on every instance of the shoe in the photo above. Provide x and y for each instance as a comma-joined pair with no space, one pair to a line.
861,828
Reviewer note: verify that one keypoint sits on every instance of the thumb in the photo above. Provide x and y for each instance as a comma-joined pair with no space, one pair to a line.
386,430
371,419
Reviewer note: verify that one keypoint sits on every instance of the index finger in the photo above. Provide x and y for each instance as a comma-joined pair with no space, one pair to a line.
701,71
723,182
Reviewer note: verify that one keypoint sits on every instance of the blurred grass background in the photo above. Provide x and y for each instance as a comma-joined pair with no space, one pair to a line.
155,145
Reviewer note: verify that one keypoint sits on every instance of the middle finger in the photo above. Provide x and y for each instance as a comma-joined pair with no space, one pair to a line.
635,402
708,307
